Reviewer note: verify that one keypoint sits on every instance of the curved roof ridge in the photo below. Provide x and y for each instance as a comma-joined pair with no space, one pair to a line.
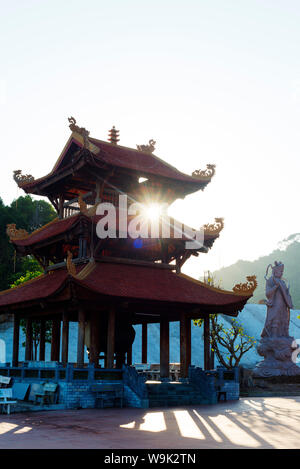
210,287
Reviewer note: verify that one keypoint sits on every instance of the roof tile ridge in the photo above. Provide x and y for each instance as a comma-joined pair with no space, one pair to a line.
210,287
86,271
143,153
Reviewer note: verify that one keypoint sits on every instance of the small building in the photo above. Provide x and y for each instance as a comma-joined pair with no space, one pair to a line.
100,269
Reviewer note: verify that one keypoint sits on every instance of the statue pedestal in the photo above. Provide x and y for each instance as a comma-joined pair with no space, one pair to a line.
278,357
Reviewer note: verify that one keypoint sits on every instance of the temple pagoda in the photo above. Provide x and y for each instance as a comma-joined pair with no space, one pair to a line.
109,284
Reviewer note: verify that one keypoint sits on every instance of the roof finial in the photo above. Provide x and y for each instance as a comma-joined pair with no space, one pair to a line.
147,148
80,130
113,135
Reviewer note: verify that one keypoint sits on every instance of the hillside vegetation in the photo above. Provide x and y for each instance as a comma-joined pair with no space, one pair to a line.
288,252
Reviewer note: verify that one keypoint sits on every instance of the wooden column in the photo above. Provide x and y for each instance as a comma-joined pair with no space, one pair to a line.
129,356
42,340
65,339
111,326
28,346
80,340
185,345
206,343
16,338
55,340
144,342
188,345
164,348
94,339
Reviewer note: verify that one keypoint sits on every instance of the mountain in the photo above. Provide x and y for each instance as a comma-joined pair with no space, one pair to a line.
288,252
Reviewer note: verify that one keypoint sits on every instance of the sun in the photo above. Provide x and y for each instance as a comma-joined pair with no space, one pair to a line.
153,211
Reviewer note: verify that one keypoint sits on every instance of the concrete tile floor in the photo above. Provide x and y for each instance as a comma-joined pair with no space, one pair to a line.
256,423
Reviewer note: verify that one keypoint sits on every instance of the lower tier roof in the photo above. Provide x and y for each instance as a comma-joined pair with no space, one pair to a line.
124,281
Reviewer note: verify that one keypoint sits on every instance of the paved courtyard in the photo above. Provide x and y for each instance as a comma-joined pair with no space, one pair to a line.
249,423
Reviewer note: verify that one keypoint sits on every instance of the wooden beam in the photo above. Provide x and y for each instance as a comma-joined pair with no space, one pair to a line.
144,342
16,338
206,343
55,340
28,346
80,340
111,326
42,339
164,348
65,339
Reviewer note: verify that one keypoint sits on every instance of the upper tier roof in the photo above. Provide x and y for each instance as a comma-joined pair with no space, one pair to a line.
108,155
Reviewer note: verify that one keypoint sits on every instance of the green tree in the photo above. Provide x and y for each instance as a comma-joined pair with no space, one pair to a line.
228,343
30,215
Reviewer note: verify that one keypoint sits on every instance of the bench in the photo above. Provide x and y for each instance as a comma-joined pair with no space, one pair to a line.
6,399
108,392
47,394
4,381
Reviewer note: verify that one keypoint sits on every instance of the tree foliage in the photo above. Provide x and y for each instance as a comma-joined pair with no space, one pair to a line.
30,215
36,325
229,344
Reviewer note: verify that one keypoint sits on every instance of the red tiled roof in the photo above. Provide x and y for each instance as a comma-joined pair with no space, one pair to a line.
59,226
124,157
36,289
130,281
54,228
133,281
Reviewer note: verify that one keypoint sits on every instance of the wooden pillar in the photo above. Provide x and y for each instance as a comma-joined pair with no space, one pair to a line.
94,339
65,339
55,340
42,339
80,340
185,345
144,342
28,346
164,348
16,338
111,326
206,343
129,356
188,344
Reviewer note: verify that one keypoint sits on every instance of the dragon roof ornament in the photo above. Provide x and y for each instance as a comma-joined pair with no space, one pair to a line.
13,233
147,148
214,228
205,173
21,179
80,130
246,288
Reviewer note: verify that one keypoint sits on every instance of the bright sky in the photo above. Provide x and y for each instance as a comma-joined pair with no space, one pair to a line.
212,81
